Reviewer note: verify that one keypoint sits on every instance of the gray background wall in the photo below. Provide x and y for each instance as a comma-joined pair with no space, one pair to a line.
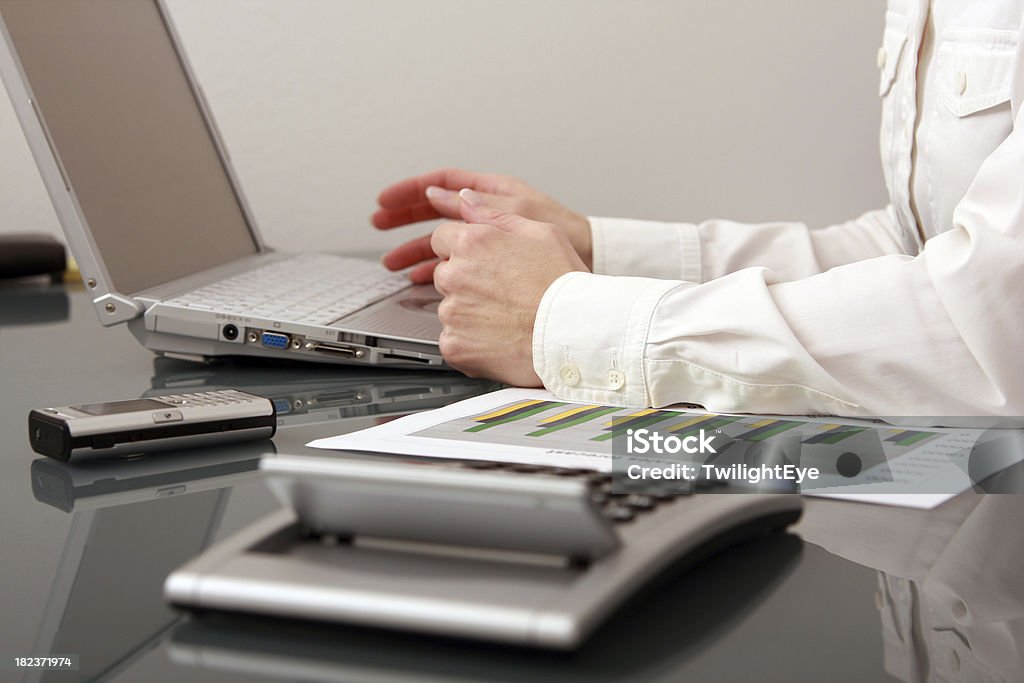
666,109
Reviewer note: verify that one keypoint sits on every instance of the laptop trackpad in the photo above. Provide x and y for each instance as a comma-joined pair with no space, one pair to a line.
409,314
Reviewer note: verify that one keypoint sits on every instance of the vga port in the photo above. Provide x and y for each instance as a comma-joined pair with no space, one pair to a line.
275,340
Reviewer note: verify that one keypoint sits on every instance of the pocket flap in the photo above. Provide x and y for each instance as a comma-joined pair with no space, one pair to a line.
893,40
974,68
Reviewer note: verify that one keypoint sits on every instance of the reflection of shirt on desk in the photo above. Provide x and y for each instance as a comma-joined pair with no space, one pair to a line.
914,313
951,588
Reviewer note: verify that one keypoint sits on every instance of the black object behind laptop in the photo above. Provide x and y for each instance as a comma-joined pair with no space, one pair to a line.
25,255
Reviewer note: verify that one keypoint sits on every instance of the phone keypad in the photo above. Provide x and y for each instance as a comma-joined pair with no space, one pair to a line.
207,399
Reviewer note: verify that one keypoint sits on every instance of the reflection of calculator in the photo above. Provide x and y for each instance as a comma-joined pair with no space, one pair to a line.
516,554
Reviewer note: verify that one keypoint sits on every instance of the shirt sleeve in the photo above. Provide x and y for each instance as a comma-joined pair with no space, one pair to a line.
698,252
934,334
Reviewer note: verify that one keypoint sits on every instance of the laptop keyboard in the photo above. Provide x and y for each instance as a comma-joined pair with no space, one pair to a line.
313,289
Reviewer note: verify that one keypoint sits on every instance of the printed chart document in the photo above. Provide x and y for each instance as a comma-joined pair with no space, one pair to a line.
858,460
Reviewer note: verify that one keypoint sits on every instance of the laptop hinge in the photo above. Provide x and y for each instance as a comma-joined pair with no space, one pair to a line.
115,308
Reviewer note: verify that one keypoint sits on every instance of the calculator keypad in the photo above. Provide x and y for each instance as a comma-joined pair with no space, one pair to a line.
616,507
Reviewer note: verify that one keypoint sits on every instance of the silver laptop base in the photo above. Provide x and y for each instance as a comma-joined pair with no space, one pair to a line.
377,352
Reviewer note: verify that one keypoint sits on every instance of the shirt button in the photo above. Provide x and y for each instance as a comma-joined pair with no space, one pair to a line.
960,610
570,374
615,379
961,82
881,58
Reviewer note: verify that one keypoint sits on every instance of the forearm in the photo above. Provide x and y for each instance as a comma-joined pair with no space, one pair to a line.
699,252
889,336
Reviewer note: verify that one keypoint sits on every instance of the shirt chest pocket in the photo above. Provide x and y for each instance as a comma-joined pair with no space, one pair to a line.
974,69
894,40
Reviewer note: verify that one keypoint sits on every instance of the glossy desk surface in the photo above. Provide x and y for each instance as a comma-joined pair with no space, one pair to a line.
897,595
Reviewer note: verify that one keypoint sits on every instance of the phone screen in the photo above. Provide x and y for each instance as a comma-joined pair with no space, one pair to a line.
118,407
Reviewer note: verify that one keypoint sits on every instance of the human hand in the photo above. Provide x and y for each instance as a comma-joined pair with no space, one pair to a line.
494,271
435,195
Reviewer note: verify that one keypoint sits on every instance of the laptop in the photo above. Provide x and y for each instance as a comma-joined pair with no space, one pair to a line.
153,212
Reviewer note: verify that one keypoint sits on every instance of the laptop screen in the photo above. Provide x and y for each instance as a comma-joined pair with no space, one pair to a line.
127,127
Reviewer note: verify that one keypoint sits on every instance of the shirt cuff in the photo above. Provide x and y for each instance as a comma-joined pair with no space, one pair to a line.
590,336
667,251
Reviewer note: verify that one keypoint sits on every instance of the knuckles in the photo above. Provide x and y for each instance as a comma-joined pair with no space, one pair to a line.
447,346
473,238
523,206
467,239
543,231
445,312
456,353
547,229
443,277
456,350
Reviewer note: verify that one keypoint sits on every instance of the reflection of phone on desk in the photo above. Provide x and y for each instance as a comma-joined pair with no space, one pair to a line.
106,482
528,558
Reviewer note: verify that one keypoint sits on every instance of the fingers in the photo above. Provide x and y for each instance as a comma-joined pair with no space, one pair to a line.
443,238
448,203
423,274
412,191
433,202
445,202
385,219
478,207
409,254
437,202
435,195
439,275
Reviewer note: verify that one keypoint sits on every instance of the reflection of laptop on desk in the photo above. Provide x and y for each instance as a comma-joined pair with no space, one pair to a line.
307,395
132,522
104,603
153,213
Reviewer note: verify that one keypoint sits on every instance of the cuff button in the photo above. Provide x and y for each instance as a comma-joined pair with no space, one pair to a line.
615,379
570,374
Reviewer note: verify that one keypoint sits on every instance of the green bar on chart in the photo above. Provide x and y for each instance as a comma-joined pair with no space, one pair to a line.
518,414
585,417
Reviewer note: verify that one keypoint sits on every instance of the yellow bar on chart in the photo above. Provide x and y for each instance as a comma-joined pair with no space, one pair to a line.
626,418
507,409
689,423
567,413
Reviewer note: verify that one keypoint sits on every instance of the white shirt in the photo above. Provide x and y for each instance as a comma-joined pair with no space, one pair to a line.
914,309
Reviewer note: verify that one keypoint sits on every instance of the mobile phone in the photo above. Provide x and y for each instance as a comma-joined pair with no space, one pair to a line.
150,424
